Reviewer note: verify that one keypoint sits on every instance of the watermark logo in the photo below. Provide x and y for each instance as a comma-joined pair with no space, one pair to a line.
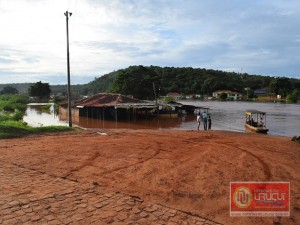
260,199
242,197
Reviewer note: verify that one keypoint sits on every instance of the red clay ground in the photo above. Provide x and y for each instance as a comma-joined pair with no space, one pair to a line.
185,170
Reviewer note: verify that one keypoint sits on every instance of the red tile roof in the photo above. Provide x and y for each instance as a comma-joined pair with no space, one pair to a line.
104,99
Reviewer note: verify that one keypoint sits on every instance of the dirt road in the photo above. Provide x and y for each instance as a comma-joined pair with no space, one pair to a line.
185,170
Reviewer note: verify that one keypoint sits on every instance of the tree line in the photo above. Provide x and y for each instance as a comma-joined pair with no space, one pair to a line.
138,81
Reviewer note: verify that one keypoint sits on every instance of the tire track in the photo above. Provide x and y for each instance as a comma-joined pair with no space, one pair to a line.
91,160
133,164
88,162
265,166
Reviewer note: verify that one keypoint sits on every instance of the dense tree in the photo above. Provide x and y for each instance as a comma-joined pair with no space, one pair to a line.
101,84
294,96
136,81
9,90
281,86
40,90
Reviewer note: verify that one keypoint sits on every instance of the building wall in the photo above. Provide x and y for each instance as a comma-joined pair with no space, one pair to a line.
64,115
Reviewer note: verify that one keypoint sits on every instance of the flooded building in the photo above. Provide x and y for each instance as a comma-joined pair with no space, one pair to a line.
118,107
109,106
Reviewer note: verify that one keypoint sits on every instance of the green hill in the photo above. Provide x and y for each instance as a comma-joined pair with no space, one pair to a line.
138,81
21,87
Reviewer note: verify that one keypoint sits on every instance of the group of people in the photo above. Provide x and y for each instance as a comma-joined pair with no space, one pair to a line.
253,123
206,121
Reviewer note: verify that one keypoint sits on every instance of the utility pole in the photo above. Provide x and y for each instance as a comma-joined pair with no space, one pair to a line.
67,14
154,92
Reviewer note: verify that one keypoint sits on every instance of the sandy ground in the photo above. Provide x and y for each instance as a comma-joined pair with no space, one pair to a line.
186,170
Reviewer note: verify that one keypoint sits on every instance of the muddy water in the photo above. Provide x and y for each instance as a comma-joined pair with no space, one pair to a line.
152,123
36,116
282,119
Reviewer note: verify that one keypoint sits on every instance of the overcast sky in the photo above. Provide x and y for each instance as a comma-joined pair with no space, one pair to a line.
252,36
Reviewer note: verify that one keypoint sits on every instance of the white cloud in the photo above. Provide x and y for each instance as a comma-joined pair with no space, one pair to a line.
259,36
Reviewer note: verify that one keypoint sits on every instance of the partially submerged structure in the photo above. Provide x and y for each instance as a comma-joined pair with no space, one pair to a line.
107,106
110,106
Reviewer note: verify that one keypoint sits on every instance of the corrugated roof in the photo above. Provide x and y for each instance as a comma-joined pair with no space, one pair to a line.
105,99
250,112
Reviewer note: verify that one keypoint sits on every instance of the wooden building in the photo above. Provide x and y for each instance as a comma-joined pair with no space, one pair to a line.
110,106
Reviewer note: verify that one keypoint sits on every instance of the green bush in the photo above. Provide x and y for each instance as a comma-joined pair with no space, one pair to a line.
15,105
7,106
18,116
5,117
13,102
293,97
20,107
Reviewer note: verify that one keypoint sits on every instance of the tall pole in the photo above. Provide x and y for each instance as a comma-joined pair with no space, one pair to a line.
68,66
154,92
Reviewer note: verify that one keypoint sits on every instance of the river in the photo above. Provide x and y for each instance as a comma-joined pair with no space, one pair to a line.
282,119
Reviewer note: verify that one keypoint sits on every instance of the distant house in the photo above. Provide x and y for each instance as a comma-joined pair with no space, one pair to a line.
175,95
190,96
231,95
260,92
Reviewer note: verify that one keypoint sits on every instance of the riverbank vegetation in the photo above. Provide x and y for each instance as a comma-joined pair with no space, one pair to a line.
12,110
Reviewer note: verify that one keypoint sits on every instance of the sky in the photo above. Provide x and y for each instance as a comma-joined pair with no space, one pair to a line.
256,37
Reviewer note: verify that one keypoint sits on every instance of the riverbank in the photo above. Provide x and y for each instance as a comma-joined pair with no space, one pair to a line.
184,170
13,129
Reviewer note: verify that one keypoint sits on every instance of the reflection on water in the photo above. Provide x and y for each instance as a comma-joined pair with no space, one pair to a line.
40,115
282,119
152,123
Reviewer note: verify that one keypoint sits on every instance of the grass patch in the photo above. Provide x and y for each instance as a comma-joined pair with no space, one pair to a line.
13,129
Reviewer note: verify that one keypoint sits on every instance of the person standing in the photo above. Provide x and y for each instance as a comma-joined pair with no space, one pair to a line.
204,116
209,122
198,120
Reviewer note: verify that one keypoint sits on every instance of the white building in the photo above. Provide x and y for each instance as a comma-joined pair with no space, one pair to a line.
231,95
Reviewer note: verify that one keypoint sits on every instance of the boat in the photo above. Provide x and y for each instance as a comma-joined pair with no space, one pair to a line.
256,121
